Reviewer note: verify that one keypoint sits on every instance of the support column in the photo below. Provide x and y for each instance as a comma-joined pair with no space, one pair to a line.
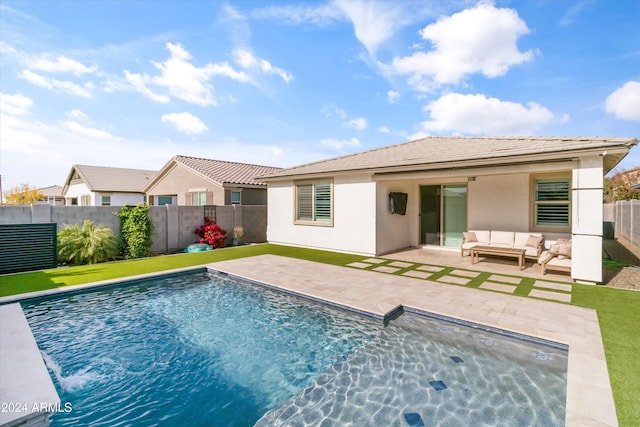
586,230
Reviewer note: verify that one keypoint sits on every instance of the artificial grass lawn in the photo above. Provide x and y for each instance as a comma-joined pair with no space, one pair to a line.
618,310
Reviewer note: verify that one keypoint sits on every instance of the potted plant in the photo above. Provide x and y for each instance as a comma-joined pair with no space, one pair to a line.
238,232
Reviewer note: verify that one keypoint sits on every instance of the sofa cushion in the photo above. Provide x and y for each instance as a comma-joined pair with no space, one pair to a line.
482,235
521,237
469,245
501,238
470,236
528,250
533,241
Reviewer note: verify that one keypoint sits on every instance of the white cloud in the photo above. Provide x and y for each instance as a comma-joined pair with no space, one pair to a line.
572,13
359,123
137,81
624,102
182,79
17,104
383,129
77,115
477,114
373,22
86,131
392,96
61,64
185,122
331,110
341,145
57,85
247,60
477,40
320,15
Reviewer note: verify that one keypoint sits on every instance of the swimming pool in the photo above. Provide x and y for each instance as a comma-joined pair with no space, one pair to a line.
204,349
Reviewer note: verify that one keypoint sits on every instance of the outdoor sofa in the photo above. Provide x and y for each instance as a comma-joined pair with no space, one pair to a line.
529,241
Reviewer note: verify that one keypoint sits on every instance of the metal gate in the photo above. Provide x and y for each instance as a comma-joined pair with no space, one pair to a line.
25,247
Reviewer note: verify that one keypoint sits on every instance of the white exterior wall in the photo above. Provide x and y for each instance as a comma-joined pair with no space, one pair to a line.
586,230
120,199
354,222
76,190
396,231
499,202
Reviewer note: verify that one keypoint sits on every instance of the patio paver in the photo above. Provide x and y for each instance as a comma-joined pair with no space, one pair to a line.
454,280
400,264
550,295
359,265
466,273
552,285
498,287
374,260
508,279
417,274
385,269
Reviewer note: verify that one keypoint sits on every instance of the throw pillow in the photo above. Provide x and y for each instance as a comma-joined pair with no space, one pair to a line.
565,250
554,249
563,241
470,236
533,241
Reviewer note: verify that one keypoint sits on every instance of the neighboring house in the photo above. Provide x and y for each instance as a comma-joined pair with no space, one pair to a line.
52,195
105,186
193,181
551,185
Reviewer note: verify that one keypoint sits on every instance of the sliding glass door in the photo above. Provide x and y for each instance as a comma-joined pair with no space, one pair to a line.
443,214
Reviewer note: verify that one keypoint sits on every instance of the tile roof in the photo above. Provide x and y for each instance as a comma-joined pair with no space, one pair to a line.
224,172
51,191
102,178
436,150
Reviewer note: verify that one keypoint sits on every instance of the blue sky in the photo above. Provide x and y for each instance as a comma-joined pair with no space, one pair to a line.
133,83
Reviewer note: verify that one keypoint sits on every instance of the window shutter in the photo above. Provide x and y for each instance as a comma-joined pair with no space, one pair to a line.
305,202
322,202
552,202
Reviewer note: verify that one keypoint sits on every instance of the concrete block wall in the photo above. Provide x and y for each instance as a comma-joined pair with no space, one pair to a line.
173,226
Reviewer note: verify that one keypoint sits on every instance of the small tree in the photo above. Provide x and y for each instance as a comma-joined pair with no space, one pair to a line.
211,233
87,245
23,194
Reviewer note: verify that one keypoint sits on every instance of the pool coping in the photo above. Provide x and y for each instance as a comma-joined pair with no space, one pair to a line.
589,394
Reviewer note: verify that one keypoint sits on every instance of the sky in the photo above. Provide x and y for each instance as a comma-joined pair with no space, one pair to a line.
282,83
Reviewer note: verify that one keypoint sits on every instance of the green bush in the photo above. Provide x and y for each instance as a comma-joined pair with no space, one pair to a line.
135,231
87,245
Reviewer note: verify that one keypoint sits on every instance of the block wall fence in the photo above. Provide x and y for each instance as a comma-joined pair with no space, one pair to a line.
625,215
173,226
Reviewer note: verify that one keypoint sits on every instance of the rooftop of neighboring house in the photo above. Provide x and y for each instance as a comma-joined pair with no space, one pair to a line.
104,178
221,172
462,151
51,191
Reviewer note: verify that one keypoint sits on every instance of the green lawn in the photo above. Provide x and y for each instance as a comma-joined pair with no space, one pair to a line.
618,310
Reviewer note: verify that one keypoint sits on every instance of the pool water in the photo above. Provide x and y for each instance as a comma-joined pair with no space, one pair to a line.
203,349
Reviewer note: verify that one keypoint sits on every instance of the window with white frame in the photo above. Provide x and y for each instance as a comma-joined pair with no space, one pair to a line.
314,203
552,203
236,197
199,198
85,200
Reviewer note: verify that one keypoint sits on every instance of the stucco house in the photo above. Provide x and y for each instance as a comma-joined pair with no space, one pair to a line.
194,181
551,185
105,186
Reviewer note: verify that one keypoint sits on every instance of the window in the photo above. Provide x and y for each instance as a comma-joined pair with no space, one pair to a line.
314,203
85,200
199,198
236,197
74,201
552,203
106,200
165,200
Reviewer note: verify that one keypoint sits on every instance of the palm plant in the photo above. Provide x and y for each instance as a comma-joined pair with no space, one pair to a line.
87,245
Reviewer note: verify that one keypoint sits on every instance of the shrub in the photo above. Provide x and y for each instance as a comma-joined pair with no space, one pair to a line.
135,231
211,233
87,245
